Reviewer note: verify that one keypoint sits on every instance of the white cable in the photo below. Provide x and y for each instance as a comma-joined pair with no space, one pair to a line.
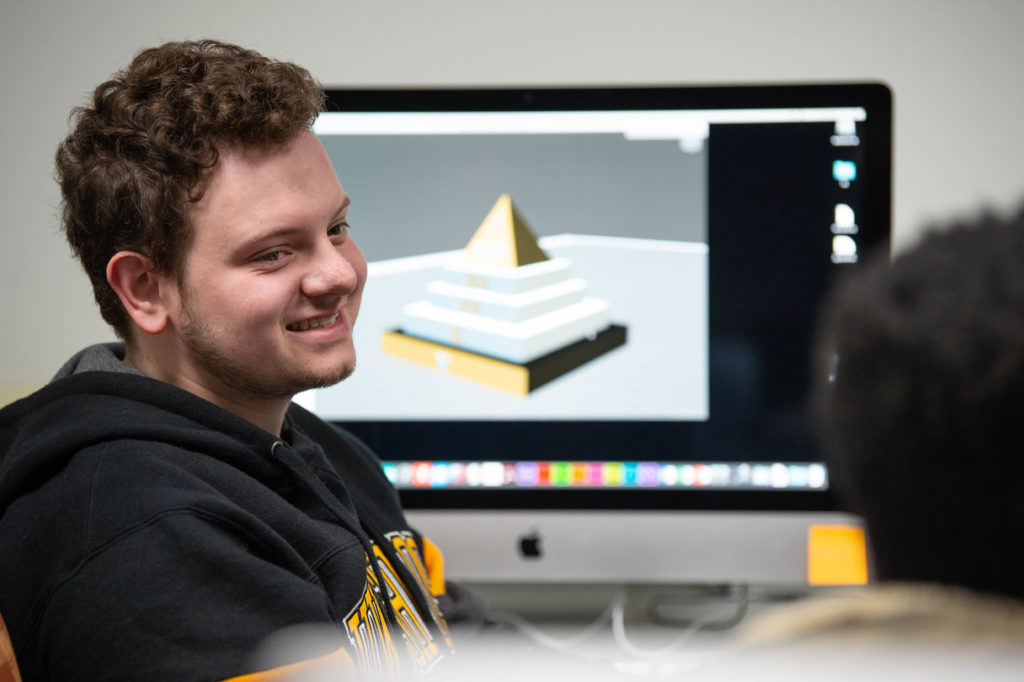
619,631
556,643
615,614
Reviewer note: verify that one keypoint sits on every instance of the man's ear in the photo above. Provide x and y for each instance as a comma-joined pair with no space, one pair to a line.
141,288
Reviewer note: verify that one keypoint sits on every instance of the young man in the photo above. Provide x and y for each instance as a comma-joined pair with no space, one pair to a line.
165,507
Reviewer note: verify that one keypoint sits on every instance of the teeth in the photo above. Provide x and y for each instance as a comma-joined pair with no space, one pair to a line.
315,323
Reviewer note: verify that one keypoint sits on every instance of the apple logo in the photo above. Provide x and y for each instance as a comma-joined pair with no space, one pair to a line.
529,545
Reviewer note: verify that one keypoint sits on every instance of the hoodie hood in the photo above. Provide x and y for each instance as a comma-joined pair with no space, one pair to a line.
102,357
88,399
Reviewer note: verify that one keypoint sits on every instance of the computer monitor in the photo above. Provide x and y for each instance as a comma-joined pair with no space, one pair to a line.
583,348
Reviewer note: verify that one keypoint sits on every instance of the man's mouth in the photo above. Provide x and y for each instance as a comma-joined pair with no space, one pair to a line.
313,323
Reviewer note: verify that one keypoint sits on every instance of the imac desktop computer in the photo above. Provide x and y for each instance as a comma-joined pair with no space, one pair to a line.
584,344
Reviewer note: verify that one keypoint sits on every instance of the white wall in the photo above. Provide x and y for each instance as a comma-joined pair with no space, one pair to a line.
953,66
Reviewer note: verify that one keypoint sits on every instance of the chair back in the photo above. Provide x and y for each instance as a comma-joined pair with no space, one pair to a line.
8,665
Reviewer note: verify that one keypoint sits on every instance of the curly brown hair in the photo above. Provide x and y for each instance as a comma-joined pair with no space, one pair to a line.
139,156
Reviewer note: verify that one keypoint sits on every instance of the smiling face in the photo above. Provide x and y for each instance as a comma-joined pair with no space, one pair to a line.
272,281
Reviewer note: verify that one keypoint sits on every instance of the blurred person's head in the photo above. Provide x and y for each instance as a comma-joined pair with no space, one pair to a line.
919,396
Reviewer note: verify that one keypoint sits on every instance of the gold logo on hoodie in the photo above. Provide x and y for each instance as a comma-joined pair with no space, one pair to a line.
368,626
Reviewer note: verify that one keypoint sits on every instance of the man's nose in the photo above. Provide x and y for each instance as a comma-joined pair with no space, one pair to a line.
331,273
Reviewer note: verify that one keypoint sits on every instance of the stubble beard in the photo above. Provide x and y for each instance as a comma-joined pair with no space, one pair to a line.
245,377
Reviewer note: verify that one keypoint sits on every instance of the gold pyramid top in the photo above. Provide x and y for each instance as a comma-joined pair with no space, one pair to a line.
504,238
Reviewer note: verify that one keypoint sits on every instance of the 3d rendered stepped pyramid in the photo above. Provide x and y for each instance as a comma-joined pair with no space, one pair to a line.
507,315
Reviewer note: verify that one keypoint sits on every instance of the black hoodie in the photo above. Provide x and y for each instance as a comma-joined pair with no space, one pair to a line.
146,533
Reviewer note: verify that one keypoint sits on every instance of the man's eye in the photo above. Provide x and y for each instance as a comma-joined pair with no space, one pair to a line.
270,257
338,229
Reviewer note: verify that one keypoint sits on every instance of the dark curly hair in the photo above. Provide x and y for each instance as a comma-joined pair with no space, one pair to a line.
920,405
138,156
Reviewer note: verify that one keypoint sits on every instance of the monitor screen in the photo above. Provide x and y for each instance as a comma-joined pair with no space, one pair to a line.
596,305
